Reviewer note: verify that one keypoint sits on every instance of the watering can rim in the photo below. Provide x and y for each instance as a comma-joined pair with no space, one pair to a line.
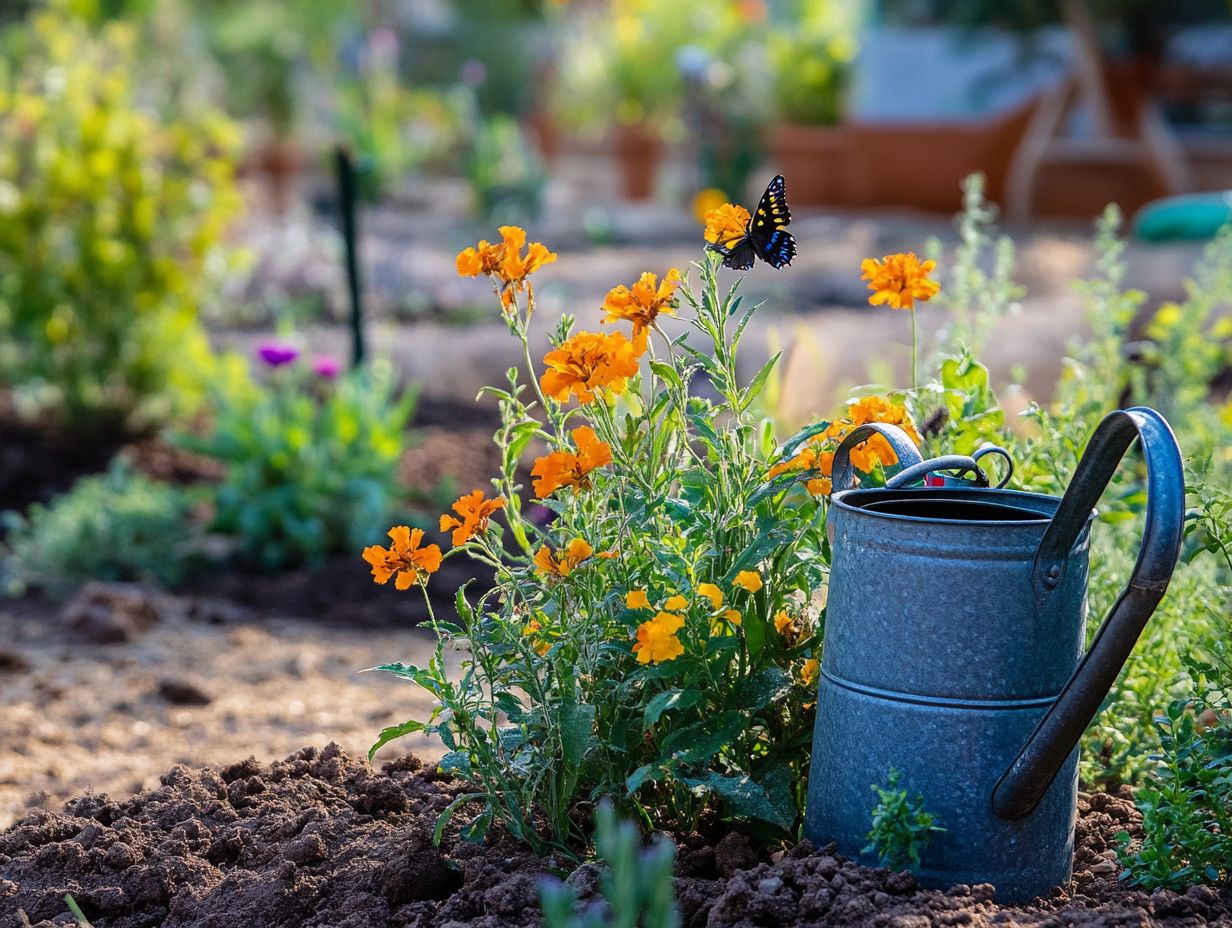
839,500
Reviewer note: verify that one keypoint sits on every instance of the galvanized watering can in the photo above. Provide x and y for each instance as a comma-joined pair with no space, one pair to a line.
954,651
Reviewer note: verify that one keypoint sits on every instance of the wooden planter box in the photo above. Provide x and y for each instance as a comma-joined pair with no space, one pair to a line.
815,160
922,165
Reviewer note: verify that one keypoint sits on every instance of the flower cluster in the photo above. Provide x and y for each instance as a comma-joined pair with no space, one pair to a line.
589,362
664,589
505,264
816,458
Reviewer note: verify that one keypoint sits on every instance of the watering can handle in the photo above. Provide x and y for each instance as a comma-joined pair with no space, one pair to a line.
1031,773
843,474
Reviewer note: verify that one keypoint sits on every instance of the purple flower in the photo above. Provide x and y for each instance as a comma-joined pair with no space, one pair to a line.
277,353
326,366
474,72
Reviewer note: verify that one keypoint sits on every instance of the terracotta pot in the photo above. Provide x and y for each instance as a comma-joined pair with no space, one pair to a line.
639,152
542,127
814,159
280,161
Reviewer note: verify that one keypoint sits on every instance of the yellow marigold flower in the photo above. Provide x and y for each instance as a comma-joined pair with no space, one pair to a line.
405,560
706,200
782,622
587,362
726,224
474,510
899,280
562,562
749,579
808,673
642,303
676,602
712,593
657,641
637,599
733,616
568,468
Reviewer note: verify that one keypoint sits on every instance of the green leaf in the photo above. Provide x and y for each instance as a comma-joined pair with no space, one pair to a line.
443,819
698,743
669,699
747,798
667,374
792,445
639,776
762,688
393,733
455,762
577,723
477,830
770,535
758,383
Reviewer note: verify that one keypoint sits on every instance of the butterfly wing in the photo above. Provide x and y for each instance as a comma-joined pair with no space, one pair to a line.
741,255
768,227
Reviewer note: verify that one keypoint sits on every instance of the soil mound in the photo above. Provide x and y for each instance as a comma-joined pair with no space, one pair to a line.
320,839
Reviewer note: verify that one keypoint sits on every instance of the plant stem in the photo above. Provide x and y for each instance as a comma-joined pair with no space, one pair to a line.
915,352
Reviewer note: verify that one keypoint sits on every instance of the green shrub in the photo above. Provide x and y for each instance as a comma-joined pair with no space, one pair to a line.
902,828
1186,802
114,526
311,461
111,225
637,887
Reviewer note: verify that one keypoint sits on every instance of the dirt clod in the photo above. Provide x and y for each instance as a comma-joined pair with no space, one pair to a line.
182,691
110,613
319,839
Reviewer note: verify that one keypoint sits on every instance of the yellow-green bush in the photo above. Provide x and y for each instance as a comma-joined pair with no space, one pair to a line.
111,229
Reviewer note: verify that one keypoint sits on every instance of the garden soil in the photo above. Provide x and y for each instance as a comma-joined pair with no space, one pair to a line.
320,839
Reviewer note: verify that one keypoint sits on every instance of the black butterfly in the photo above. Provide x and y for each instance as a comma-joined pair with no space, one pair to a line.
766,236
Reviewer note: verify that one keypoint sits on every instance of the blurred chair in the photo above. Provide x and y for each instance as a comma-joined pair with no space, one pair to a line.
1127,143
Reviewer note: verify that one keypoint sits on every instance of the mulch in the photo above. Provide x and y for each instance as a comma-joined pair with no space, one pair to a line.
320,839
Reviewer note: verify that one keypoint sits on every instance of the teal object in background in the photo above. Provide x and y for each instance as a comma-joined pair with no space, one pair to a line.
1193,216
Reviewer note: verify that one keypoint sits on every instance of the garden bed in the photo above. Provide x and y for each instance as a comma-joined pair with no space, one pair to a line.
321,839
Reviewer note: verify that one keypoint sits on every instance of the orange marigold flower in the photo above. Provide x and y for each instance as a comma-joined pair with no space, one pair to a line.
637,599
568,468
712,593
504,262
782,622
587,362
562,562
642,303
899,280
749,579
733,616
867,455
808,459
808,673
474,510
405,560
726,224
676,602
657,641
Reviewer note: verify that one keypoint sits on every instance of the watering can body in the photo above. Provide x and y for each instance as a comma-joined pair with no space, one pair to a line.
954,654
